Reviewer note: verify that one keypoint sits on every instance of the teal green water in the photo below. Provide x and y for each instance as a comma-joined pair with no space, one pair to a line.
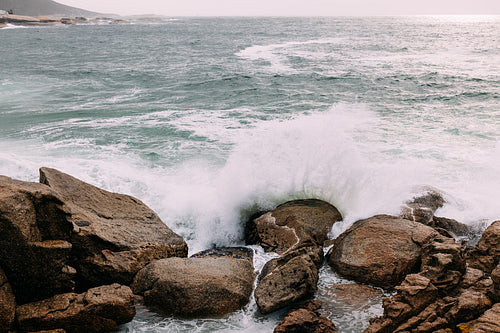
206,119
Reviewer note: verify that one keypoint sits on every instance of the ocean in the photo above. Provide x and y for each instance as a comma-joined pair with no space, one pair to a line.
208,120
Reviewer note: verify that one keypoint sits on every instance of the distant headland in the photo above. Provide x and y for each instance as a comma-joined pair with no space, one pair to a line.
47,12
44,8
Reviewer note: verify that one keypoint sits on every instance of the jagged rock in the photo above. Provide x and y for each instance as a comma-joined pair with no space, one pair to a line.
413,295
471,303
431,319
34,234
305,319
194,287
288,279
380,250
226,252
489,322
100,309
486,254
114,235
292,224
421,209
471,277
443,263
7,304
459,303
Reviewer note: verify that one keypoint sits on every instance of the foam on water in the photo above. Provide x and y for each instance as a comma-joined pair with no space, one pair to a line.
277,54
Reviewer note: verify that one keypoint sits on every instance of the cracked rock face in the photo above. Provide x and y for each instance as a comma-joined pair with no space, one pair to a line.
293,223
380,250
34,231
114,235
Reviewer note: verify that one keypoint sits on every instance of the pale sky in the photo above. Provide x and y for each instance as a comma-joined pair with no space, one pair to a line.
288,7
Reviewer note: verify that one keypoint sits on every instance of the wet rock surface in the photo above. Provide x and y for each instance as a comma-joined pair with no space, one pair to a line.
421,209
293,223
380,250
353,295
291,278
226,252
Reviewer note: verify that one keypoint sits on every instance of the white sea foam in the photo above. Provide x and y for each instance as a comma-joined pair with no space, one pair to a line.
277,54
12,26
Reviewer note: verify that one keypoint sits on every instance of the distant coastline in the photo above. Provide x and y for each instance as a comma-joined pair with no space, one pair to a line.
50,8
21,20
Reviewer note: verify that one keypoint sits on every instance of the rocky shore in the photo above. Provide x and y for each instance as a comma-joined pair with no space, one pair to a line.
47,20
76,258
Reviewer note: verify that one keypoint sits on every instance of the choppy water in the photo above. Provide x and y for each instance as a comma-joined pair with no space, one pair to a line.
208,119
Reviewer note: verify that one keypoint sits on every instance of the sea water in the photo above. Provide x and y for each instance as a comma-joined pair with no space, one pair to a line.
208,120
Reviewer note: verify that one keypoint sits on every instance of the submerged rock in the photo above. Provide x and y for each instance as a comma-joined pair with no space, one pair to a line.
226,252
291,278
34,234
421,209
100,309
380,250
293,223
114,235
196,287
353,295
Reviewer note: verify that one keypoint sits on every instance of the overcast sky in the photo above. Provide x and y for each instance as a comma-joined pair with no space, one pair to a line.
288,7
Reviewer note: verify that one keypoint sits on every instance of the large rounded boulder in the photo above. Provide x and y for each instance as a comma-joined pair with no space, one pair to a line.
380,250
196,287
293,223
